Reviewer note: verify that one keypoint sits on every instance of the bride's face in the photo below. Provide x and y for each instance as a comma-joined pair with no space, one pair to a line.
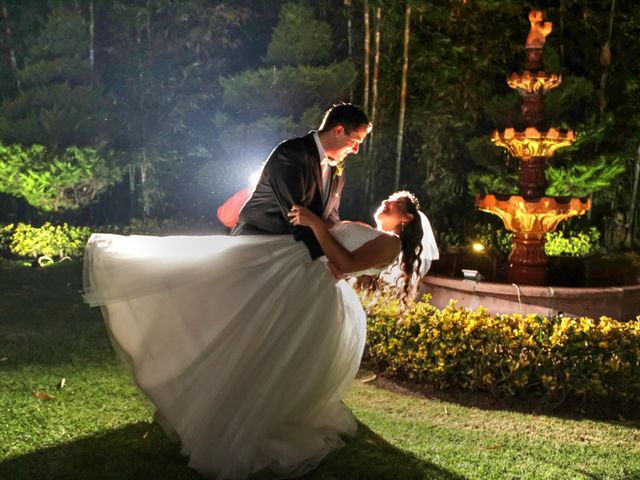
392,213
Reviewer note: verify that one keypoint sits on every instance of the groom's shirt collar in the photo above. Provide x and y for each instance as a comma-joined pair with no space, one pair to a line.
322,154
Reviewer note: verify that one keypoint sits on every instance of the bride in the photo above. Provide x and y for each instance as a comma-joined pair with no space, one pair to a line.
244,344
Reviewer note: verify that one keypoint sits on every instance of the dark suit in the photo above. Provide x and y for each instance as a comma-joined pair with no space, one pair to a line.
291,174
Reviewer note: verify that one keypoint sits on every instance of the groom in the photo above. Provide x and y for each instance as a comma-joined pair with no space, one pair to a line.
306,171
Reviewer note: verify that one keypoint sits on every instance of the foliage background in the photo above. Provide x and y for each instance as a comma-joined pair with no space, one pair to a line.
171,104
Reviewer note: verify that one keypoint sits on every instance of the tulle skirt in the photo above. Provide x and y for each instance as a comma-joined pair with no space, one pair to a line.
244,344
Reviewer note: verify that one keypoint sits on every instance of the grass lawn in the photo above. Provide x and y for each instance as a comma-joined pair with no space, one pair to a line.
98,426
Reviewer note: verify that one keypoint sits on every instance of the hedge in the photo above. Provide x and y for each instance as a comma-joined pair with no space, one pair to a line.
49,242
44,244
547,359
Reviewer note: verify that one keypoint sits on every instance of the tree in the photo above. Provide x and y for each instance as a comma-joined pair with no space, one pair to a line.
61,102
55,180
283,98
403,94
9,42
166,89
53,129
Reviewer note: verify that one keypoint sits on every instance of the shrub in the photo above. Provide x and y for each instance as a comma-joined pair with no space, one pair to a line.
138,226
55,242
47,242
560,243
6,233
547,359
449,241
54,180
576,244
497,238
155,227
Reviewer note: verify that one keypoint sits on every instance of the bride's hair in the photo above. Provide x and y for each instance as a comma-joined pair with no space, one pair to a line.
411,240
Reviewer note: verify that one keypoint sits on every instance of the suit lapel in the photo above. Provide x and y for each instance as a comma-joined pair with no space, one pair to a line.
314,160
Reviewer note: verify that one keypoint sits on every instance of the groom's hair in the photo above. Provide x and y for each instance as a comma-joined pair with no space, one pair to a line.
345,114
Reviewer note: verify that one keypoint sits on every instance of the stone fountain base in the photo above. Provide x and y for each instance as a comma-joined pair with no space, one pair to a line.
621,303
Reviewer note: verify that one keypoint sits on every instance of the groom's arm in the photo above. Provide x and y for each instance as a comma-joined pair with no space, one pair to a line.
287,181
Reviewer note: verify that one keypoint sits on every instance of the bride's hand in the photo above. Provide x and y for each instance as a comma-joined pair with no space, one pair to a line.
299,215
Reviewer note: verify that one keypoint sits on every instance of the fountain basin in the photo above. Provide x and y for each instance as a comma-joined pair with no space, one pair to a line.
621,302
536,216
531,142
538,82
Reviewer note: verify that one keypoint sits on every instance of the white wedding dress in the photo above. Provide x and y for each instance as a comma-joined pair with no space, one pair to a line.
244,344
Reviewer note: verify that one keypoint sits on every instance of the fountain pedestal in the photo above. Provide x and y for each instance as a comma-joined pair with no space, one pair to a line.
530,221
528,263
532,181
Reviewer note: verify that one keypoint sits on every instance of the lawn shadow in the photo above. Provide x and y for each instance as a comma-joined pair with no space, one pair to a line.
369,457
625,416
141,451
136,451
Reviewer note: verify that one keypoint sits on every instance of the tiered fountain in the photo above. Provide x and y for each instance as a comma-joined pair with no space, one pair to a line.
530,214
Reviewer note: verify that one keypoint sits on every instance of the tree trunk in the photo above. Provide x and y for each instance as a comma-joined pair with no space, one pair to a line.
562,12
605,61
376,64
92,36
9,40
374,102
365,73
403,95
144,181
132,190
145,170
347,3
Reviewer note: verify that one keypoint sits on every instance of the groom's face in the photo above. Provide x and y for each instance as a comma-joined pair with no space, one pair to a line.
346,143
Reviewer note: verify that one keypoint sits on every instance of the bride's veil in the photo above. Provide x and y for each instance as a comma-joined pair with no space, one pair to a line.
429,246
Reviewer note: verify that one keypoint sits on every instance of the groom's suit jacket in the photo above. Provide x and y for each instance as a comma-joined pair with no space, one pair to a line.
290,175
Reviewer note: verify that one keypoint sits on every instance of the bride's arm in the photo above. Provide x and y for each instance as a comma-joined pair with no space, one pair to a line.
382,250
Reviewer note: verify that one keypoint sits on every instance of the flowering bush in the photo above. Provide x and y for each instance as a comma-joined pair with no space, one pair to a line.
508,355
46,242
54,242
6,234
